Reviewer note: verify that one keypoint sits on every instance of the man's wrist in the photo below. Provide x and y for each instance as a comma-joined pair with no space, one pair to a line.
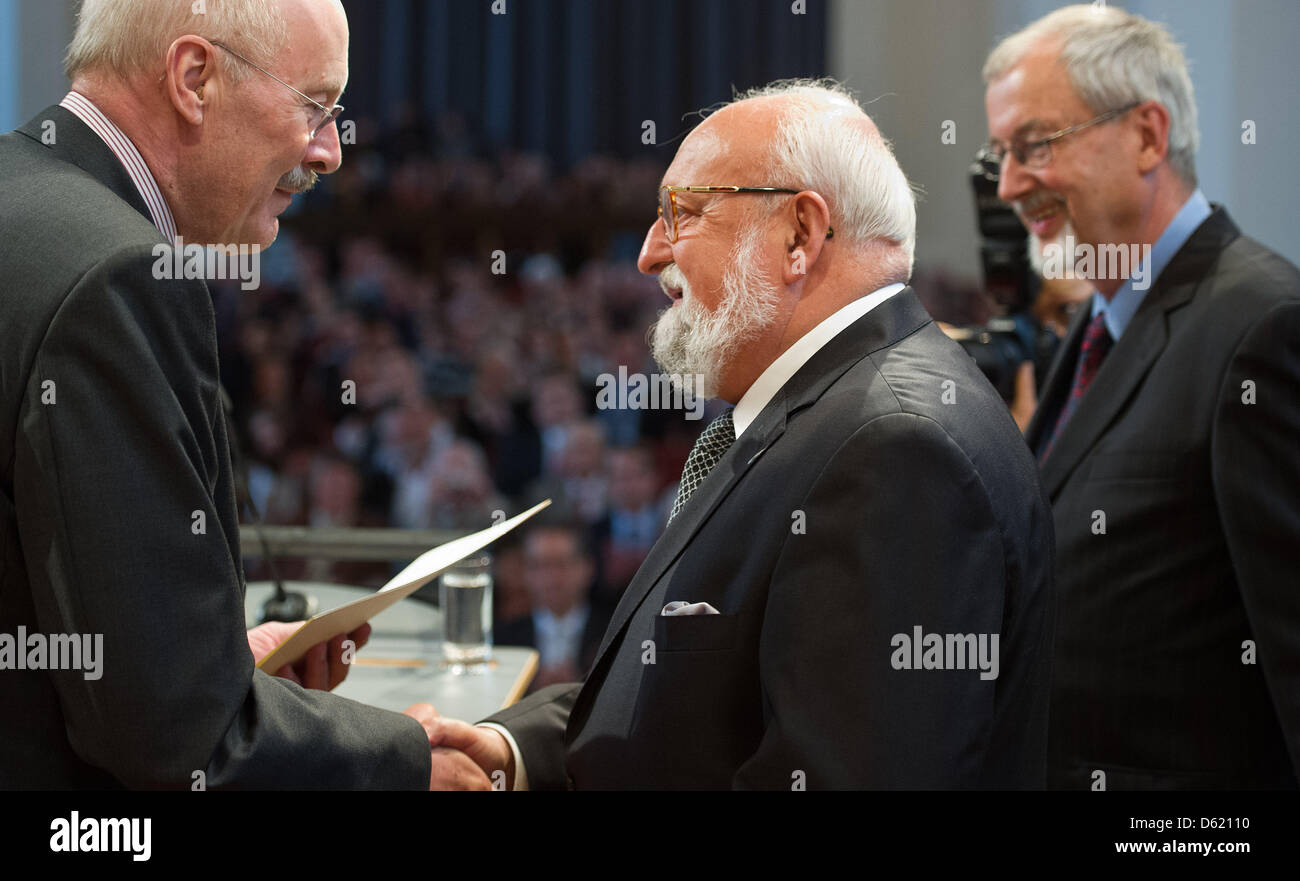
516,774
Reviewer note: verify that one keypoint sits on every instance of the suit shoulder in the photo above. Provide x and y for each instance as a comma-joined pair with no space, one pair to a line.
58,214
1248,279
930,378
930,375
518,631
59,228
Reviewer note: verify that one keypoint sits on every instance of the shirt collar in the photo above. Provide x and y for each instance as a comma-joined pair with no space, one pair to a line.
571,622
81,107
1121,308
787,364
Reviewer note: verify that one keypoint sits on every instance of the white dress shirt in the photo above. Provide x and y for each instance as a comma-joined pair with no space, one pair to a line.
787,364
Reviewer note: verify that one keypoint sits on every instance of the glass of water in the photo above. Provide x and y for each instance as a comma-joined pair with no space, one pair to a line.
465,595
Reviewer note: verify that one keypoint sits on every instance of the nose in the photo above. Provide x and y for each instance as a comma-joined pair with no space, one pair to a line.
656,252
325,152
1014,181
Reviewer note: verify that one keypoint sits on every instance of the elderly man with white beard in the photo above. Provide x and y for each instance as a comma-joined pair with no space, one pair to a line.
853,590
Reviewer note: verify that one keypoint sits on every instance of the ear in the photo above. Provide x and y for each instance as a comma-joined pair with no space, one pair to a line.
810,227
1153,130
190,77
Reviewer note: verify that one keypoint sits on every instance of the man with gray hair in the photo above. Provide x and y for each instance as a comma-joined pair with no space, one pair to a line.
1168,429
195,121
853,590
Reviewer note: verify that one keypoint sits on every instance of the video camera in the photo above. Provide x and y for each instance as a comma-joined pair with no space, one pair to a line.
1006,341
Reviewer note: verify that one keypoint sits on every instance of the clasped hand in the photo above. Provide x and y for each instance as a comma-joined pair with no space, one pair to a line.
462,756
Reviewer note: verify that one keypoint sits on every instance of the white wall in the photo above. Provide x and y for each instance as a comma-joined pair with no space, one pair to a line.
923,59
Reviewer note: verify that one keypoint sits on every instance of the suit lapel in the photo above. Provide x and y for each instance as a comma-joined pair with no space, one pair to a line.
677,535
77,144
890,321
1122,372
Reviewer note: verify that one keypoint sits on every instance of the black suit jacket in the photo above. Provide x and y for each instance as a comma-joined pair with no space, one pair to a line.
857,506
1200,492
98,489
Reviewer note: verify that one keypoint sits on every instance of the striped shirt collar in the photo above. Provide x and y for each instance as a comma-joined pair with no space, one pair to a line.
81,107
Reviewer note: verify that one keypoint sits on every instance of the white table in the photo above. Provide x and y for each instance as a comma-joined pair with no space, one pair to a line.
401,665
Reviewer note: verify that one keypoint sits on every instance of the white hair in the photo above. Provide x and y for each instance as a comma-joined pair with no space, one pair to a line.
1114,58
825,142
130,37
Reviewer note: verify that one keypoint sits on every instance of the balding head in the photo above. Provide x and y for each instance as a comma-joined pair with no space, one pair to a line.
815,136
130,38
194,86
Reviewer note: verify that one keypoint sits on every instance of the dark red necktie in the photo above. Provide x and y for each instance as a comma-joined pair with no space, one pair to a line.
1096,343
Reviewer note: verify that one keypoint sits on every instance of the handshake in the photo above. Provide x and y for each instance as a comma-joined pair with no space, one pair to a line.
464,756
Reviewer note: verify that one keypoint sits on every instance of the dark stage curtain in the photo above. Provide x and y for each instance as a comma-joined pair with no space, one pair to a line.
567,78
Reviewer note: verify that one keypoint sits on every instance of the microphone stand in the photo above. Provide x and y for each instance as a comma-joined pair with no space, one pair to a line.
283,605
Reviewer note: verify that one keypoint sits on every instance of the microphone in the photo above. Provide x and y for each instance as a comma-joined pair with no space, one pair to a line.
283,605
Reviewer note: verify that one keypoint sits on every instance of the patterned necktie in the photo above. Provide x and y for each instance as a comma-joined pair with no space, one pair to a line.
709,448
1096,343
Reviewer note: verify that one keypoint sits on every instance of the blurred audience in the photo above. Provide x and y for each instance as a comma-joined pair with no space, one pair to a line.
635,516
562,625
425,349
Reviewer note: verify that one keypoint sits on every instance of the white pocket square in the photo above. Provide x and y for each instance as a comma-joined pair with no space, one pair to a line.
681,607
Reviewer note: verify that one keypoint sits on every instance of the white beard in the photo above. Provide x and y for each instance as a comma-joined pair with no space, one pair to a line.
689,340
1037,246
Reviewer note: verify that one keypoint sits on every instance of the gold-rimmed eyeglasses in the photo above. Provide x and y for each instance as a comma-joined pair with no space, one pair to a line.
668,202
321,117
1038,152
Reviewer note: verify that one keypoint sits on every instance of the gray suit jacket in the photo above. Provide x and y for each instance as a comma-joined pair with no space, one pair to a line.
1177,662
111,437
883,488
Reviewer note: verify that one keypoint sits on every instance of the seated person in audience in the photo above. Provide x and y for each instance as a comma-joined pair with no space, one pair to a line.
563,626
631,525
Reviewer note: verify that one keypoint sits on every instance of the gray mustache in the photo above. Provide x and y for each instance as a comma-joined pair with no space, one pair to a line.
300,180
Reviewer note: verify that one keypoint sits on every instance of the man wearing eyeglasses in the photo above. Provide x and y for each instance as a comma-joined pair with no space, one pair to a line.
852,590
118,526
1168,431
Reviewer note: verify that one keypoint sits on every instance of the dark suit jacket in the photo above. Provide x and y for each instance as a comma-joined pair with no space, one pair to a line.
97,495
1201,496
523,631
858,506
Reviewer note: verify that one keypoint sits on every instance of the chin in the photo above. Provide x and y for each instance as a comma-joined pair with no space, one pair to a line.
263,234
1066,235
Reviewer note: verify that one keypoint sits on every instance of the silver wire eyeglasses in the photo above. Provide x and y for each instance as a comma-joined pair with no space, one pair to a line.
322,116
1038,152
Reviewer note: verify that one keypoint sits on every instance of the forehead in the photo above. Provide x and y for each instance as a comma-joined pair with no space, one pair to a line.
316,52
700,156
715,154
1036,91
